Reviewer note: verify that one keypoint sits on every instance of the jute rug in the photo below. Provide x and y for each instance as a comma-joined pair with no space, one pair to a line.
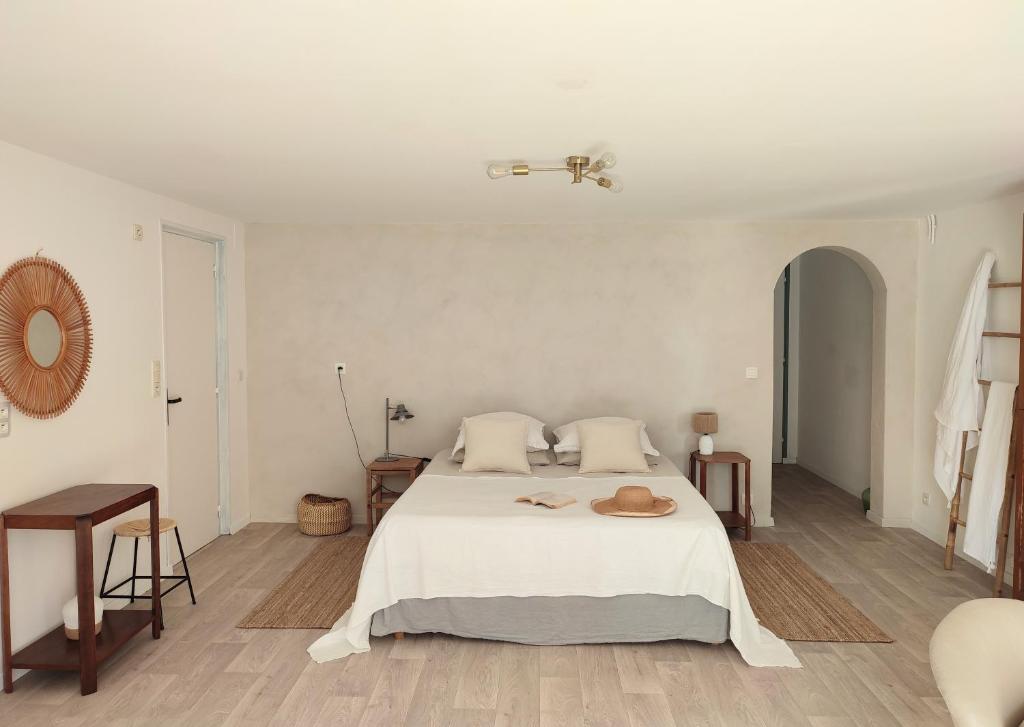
315,594
786,595
795,602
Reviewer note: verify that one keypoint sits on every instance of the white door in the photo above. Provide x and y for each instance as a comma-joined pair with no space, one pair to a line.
190,320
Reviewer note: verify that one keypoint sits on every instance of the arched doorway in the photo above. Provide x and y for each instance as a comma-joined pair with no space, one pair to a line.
828,394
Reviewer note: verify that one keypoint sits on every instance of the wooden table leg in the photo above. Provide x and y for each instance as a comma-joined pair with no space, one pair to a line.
693,470
5,606
746,498
154,555
704,480
369,503
86,611
735,488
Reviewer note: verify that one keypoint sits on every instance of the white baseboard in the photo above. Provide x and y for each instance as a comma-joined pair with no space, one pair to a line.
276,518
829,478
289,518
890,522
765,522
239,524
789,460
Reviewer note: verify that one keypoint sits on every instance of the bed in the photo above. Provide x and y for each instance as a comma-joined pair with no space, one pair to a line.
457,555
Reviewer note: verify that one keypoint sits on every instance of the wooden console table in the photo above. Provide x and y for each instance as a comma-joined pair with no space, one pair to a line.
79,509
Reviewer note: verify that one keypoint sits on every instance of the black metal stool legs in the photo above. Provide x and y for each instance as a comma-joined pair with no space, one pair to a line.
187,578
135,565
184,565
106,568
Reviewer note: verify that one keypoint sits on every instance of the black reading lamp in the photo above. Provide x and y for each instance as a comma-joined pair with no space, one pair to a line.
400,415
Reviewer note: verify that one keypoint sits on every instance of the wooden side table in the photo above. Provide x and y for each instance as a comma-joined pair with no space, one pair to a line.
730,518
79,509
378,497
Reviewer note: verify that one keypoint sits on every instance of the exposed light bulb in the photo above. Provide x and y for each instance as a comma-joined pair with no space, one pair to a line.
497,171
612,185
616,186
606,161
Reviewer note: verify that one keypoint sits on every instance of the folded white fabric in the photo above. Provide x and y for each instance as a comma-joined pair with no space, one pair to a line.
989,478
959,407
535,441
536,459
568,435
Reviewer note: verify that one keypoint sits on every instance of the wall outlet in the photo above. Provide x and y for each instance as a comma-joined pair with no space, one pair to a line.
5,429
339,368
138,234
752,372
5,411
925,498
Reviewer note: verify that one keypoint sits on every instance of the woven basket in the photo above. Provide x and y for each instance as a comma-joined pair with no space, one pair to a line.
320,515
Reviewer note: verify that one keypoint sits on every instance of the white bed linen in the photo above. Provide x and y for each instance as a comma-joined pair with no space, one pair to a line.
462,535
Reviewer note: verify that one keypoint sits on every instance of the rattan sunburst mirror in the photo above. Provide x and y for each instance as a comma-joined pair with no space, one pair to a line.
45,337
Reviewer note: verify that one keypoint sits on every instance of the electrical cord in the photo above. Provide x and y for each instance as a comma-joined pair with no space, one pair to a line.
351,426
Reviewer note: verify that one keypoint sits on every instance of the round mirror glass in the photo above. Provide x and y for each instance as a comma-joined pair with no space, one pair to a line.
44,338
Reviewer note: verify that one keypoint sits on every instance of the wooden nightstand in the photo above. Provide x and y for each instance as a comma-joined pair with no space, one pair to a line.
378,497
730,518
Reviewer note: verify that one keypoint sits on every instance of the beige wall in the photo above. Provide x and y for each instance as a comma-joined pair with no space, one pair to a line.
115,431
946,269
653,321
835,369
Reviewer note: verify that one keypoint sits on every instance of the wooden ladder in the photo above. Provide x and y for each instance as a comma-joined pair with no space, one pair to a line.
1003,535
1013,491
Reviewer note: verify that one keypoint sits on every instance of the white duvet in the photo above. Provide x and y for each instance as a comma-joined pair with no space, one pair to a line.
458,535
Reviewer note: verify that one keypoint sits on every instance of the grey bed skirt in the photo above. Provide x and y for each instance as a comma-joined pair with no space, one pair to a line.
559,620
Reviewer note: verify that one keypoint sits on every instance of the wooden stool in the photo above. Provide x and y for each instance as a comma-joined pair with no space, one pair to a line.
136,529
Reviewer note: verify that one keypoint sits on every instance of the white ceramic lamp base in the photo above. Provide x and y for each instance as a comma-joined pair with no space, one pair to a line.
706,445
70,613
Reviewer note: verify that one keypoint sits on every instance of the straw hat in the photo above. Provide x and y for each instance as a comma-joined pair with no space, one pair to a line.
634,501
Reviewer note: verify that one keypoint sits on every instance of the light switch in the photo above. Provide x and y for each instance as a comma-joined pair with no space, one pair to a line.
751,372
156,379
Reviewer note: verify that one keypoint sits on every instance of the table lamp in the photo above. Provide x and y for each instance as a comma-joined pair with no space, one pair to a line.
400,415
705,423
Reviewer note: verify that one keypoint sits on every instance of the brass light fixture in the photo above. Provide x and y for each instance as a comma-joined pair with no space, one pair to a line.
580,167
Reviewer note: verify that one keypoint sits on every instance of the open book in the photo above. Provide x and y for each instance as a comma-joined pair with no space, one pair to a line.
547,499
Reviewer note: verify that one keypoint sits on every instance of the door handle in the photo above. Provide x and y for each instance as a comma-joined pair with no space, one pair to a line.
175,400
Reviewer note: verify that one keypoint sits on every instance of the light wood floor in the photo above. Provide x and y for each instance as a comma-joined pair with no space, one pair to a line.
205,672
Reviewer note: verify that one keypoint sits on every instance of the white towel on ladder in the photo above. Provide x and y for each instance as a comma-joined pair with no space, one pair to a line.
960,406
989,479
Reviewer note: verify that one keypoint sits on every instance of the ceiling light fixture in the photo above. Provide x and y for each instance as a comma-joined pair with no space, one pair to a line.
580,167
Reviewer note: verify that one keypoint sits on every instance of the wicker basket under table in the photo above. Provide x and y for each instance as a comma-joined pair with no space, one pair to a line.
322,515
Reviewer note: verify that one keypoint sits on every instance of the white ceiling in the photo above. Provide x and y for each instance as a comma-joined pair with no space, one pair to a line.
389,111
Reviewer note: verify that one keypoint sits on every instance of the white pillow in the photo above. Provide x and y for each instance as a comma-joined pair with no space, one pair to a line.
536,459
572,459
495,445
535,441
611,446
569,438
